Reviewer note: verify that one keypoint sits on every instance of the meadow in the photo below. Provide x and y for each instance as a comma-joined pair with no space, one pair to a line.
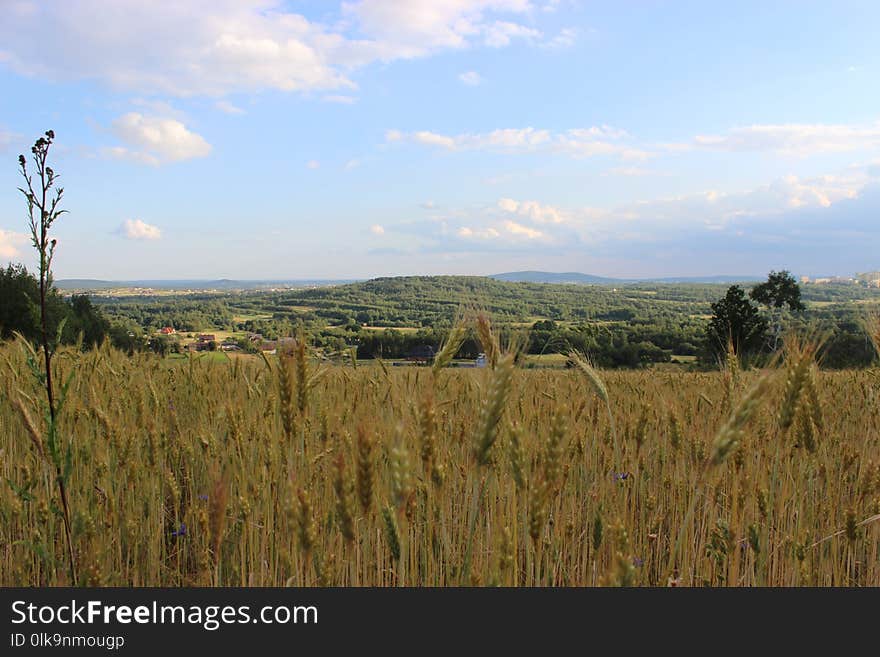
284,471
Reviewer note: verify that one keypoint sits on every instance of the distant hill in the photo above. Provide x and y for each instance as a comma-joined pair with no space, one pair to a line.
552,277
589,279
219,284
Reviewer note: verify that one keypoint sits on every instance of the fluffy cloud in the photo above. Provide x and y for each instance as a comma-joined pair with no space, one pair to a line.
785,210
577,143
156,140
471,78
376,229
313,164
11,243
565,39
500,33
416,26
135,229
467,233
798,139
219,47
518,230
541,214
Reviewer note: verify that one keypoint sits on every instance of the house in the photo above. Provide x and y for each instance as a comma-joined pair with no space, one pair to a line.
421,354
207,337
167,330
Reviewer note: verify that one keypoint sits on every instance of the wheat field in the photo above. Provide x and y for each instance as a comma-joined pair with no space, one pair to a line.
284,471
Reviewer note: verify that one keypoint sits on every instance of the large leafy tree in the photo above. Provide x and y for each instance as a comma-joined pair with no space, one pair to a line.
779,293
779,290
737,320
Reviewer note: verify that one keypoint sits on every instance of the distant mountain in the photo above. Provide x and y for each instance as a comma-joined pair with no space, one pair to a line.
589,279
219,284
552,277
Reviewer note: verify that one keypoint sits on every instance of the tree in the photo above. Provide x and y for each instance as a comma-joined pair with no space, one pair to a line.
19,299
84,318
736,319
780,289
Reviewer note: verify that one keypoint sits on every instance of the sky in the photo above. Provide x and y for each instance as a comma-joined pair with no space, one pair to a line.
261,139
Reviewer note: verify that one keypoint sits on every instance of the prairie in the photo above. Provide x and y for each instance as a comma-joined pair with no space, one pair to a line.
283,471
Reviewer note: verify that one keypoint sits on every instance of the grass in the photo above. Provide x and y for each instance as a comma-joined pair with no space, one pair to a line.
189,471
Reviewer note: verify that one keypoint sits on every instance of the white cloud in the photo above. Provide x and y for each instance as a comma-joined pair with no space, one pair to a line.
221,47
468,233
313,164
540,214
517,223
524,231
416,26
352,164
376,229
797,139
433,139
714,209
228,108
577,143
471,78
500,33
156,140
135,229
565,39
10,243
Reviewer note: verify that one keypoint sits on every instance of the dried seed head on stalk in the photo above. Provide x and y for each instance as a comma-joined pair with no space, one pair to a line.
305,522
799,356
451,345
554,448
516,452
428,427
392,534
365,466
488,339
286,386
344,488
493,408
33,434
584,365
401,476
729,436
217,514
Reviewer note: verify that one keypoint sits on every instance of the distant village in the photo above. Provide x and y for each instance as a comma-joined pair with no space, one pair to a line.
419,355
209,342
867,279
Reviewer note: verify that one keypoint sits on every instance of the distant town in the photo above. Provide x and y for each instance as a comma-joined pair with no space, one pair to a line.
867,279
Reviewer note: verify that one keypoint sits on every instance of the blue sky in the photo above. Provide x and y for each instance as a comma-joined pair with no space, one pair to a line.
316,139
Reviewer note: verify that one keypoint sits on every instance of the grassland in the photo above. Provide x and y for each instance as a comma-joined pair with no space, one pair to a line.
283,471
